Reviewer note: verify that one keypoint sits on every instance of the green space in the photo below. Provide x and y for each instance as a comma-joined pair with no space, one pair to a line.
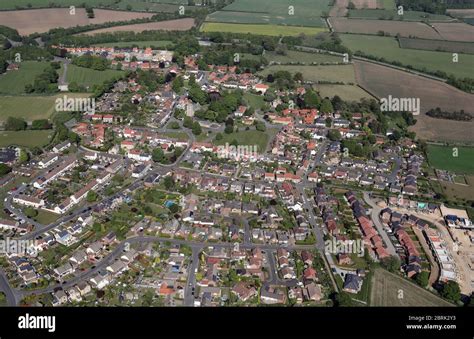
386,3
31,107
176,135
270,30
253,100
139,44
437,45
444,158
302,57
45,217
345,92
385,14
25,138
14,82
89,77
330,74
386,288
389,49
246,138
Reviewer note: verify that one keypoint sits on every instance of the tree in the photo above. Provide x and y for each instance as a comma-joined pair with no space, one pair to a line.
229,129
4,169
343,299
188,122
158,155
169,183
40,124
334,135
174,208
30,212
219,136
15,124
391,263
422,278
326,106
196,129
91,196
24,157
451,291
311,99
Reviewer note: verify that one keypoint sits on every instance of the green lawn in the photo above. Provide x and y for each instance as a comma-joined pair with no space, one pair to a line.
443,157
176,135
14,82
46,218
255,101
89,77
388,48
25,138
331,73
140,44
302,57
246,138
271,30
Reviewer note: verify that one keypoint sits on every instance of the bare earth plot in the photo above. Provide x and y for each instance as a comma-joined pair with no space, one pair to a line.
169,25
42,20
406,29
386,287
383,81
455,31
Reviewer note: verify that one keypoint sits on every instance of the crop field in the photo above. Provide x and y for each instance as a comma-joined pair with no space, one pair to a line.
14,82
13,4
392,14
443,157
459,192
388,48
455,31
437,45
25,138
385,292
168,25
346,92
302,57
335,74
406,29
30,107
89,77
139,44
461,13
305,12
383,81
42,20
271,30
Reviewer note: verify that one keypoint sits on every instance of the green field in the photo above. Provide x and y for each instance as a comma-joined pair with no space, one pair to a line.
30,107
302,57
386,287
388,48
385,14
246,138
332,73
271,30
89,77
275,12
345,92
443,157
139,44
253,100
14,82
25,138
12,4
437,45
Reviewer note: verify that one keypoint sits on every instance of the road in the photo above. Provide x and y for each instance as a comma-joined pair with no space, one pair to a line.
12,296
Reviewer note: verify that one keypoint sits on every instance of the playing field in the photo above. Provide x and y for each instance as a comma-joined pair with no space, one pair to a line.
332,74
346,92
452,158
390,290
437,45
30,107
388,48
89,77
139,44
25,138
14,82
302,57
271,30
246,138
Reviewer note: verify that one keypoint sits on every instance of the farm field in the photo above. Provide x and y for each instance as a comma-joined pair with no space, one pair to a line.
139,44
406,29
25,138
441,157
302,57
385,287
383,81
459,192
455,31
437,45
461,13
339,73
392,14
168,25
13,4
89,77
346,92
388,48
271,30
14,82
30,107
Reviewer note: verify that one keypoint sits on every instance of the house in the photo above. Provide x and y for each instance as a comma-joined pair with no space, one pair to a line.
307,257
243,291
48,160
59,298
271,295
63,270
95,248
312,292
61,147
261,88
352,283
78,257
117,267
